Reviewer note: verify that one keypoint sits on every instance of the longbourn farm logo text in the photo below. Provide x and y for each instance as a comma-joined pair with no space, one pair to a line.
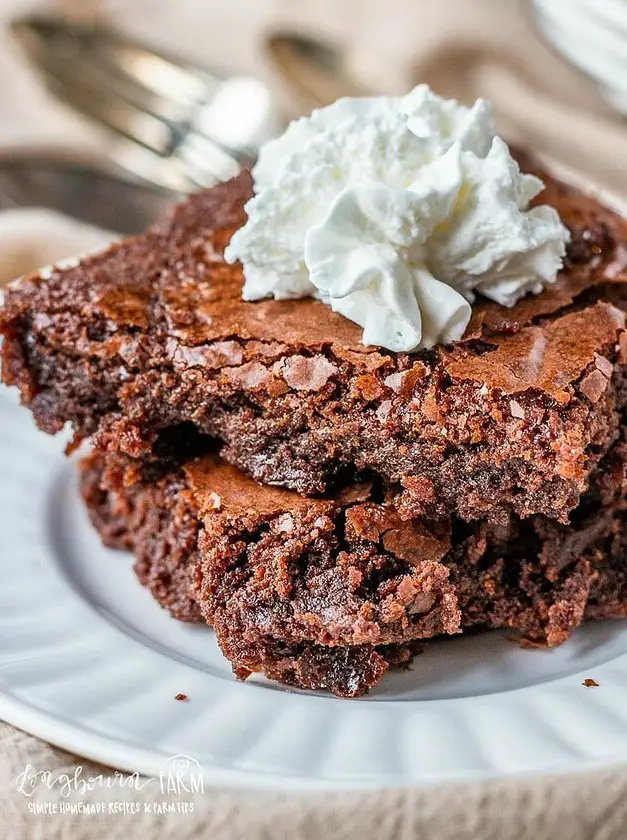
180,776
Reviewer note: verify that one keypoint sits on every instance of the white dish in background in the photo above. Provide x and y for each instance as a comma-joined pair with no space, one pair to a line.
592,35
89,662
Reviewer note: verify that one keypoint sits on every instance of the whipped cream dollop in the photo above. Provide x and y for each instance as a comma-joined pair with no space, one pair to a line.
395,212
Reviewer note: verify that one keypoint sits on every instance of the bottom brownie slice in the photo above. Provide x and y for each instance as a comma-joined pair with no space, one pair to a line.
329,593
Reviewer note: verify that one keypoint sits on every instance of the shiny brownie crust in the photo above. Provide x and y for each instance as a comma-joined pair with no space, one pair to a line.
149,346
328,593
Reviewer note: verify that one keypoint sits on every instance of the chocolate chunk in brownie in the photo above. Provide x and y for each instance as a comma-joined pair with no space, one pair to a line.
150,343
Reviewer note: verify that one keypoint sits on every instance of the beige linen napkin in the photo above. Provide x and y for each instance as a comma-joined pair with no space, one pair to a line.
33,237
464,48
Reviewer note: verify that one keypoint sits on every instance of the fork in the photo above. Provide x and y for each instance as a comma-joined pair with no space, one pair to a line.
175,124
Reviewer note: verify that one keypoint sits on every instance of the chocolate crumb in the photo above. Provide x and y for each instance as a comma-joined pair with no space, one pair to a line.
180,696
215,501
590,683
594,385
307,373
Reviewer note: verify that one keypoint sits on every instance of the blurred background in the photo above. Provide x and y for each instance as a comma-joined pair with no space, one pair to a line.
95,94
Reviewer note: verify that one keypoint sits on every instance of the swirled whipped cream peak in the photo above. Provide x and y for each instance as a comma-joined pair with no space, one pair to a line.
395,212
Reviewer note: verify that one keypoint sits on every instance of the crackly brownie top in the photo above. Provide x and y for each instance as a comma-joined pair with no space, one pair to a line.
172,283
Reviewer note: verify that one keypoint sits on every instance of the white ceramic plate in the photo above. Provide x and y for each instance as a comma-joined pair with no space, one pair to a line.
89,662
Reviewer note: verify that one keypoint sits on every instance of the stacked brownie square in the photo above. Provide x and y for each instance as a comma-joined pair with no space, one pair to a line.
327,507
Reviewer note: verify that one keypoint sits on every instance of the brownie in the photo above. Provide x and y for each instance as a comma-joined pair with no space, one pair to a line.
327,593
150,348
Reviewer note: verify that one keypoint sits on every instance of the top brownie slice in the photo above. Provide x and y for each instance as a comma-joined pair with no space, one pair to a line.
150,347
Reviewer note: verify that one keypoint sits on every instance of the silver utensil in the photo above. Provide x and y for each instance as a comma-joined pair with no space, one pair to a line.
181,126
83,189
318,70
